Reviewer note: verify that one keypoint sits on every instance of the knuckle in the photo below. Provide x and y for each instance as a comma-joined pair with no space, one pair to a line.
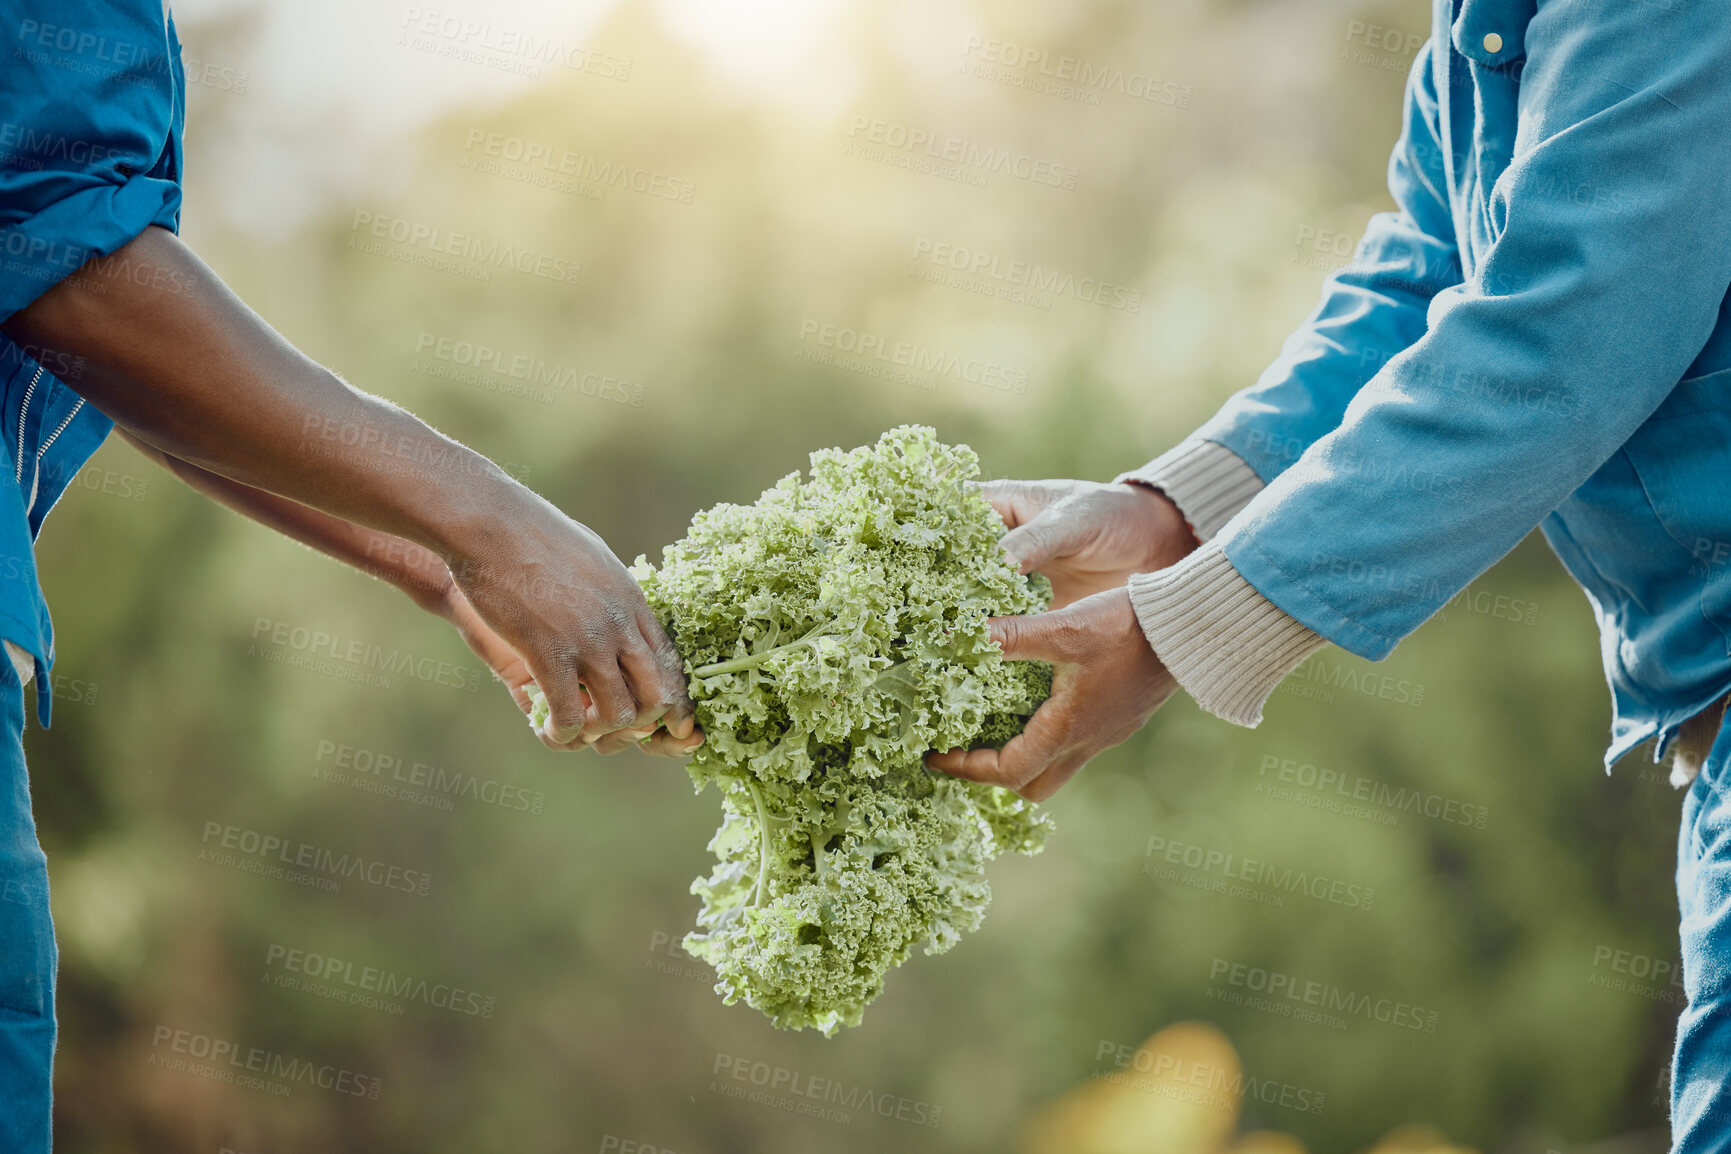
1031,544
638,654
1084,506
983,774
1067,635
608,627
663,646
1049,491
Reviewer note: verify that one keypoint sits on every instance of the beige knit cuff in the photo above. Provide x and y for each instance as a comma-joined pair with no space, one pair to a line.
1206,480
1224,642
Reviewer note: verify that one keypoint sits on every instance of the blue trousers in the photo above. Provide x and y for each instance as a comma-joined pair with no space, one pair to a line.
1701,1069
27,953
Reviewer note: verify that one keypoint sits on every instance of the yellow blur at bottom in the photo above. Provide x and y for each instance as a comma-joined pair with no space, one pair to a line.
1158,1104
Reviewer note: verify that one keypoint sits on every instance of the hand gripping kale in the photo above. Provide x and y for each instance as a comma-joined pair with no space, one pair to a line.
833,633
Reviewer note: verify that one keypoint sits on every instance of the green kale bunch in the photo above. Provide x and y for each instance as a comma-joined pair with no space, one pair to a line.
833,632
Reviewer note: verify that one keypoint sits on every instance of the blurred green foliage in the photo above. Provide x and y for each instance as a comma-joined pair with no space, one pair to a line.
170,720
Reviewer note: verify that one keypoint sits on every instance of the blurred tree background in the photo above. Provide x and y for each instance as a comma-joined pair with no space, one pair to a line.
1495,916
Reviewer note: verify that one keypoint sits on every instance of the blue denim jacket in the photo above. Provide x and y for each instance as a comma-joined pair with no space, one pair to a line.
92,107
1540,335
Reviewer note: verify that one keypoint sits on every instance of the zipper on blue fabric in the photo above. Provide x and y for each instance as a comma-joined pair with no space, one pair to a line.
36,464
36,468
23,411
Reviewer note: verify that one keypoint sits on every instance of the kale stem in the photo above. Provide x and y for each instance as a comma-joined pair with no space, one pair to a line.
758,887
741,664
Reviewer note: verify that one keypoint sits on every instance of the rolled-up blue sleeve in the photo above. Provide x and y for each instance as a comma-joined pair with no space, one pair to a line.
1607,256
92,108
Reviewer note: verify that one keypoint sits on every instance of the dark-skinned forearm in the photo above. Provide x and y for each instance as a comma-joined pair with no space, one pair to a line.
257,411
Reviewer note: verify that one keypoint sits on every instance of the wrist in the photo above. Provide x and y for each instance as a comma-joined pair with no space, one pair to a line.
483,519
1126,627
1169,534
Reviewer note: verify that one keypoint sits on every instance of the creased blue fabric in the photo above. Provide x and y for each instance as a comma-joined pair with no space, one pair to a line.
1540,335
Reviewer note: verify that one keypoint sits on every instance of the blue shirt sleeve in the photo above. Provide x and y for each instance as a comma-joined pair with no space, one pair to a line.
92,108
1371,310
1606,255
